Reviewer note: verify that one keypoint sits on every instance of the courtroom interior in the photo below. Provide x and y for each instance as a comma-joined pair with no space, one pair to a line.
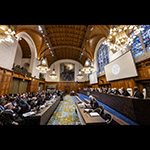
74,75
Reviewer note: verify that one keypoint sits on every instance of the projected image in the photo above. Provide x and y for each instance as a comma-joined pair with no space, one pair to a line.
93,78
115,69
122,67
67,72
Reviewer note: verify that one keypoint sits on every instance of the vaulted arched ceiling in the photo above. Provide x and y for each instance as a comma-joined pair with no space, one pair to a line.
75,42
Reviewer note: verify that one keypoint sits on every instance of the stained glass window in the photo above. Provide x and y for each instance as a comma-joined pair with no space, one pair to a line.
146,36
103,58
136,47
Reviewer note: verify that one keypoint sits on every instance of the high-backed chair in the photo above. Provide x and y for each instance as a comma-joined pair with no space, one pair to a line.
107,117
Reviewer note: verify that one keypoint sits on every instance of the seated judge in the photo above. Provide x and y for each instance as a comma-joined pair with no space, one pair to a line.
116,92
93,103
137,93
124,92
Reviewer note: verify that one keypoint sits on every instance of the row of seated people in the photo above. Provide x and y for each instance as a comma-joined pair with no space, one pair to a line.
115,91
13,106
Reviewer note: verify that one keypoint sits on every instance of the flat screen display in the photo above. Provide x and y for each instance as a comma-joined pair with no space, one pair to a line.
120,68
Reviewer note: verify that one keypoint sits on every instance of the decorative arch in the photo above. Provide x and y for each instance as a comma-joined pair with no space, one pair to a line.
33,60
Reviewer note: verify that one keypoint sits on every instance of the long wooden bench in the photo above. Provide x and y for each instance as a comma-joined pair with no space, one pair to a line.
115,121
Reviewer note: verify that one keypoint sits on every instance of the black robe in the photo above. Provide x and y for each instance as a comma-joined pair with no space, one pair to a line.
8,116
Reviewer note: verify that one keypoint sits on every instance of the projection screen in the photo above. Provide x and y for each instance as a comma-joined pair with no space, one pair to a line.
122,67
93,78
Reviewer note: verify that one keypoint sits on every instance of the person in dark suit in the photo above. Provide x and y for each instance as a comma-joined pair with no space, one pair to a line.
2,103
124,92
32,105
9,117
116,92
137,93
24,106
93,102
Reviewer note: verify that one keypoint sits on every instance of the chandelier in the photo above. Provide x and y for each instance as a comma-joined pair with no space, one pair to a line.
6,34
43,67
80,75
88,68
53,75
120,37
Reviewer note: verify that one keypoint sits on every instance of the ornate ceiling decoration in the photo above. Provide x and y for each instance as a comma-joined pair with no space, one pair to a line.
57,42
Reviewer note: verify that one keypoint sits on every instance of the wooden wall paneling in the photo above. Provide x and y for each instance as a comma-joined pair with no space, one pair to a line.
5,81
23,86
14,86
71,85
33,85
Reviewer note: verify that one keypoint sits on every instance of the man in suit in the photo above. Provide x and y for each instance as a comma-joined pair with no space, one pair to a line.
2,103
9,117
93,103
116,92
124,92
137,93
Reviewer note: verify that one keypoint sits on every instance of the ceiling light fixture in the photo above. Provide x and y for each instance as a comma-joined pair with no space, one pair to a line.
121,36
43,67
53,75
88,68
6,34
80,75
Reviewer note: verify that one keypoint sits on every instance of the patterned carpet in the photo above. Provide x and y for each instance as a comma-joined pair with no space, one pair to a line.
65,113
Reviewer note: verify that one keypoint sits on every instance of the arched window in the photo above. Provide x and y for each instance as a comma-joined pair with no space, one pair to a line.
136,47
146,36
102,57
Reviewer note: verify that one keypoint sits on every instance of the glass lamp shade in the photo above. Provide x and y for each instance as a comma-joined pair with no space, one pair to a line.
6,34
86,69
53,75
43,67
80,76
122,36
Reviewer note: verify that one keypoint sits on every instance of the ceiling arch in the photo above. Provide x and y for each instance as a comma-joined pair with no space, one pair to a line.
76,42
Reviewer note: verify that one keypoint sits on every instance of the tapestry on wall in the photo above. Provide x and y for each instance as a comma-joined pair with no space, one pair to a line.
67,72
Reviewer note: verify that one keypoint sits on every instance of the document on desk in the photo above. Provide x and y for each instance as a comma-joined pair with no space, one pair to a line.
94,114
87,110
42,106
28,114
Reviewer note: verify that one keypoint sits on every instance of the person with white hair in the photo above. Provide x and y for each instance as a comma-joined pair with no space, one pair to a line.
9,117
93,102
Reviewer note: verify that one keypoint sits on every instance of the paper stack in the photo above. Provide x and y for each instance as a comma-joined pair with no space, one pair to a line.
94,114
28,114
